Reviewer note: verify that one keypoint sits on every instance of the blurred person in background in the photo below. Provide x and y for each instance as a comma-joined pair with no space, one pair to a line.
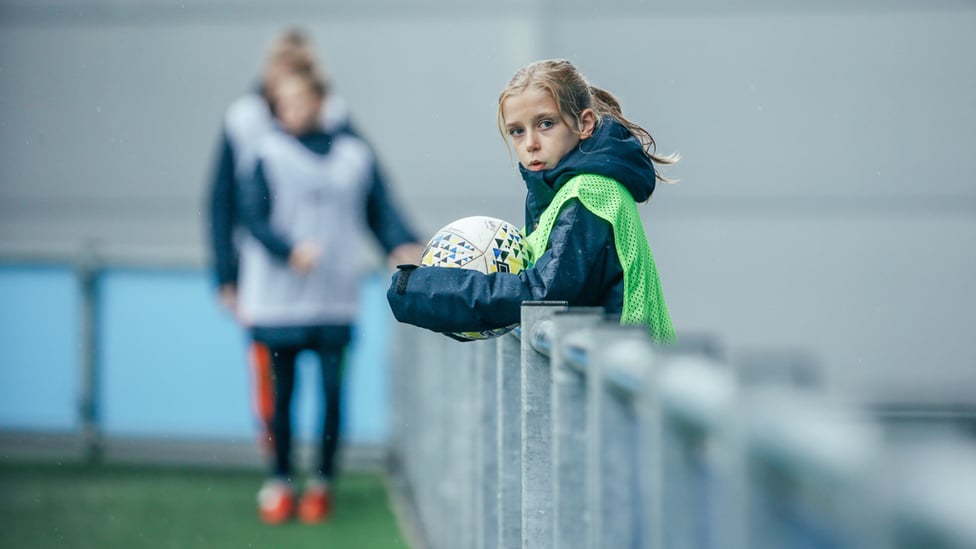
314,193
245,122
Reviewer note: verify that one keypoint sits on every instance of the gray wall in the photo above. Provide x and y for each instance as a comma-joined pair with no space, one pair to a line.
827,192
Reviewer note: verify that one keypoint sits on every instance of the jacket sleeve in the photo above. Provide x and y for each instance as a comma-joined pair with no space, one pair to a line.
453,300
383,217
255,207
223,214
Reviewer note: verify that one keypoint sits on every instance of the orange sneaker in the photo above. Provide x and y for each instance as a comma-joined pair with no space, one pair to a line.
316,503
276,501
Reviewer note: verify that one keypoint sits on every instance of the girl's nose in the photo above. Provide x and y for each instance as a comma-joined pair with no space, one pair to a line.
531,143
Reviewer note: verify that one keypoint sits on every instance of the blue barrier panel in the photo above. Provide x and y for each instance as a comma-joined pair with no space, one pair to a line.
173,364
367,398
170,363
40,340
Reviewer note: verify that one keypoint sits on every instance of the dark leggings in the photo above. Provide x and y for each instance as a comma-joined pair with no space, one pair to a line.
330,345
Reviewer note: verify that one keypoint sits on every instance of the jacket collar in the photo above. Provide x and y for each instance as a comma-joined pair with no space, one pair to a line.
612,151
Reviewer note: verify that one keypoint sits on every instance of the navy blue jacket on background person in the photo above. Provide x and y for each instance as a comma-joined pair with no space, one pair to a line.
580,265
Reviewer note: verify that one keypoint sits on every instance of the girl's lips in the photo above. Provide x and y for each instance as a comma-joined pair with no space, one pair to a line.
536,166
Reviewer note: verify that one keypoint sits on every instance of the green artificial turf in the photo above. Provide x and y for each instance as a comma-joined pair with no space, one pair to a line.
66,506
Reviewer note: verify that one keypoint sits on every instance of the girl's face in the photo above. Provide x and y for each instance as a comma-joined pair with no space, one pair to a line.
540,135
297,105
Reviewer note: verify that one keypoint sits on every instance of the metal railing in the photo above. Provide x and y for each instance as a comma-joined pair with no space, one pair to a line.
575,432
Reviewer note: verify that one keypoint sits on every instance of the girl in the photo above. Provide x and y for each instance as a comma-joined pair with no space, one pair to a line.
312,194
585,167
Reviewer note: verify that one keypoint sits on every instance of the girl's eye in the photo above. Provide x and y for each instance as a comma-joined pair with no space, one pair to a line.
545,124
515,132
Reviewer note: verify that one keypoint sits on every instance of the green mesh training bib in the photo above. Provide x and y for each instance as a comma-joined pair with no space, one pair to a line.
610,201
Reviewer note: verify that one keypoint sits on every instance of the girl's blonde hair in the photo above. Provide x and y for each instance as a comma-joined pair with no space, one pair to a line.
573,95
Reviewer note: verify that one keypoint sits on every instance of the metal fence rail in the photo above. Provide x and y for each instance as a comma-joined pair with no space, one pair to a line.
575,432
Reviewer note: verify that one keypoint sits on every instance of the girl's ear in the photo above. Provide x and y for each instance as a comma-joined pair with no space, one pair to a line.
587,120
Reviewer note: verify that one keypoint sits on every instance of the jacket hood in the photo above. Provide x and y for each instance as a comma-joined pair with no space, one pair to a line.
612,151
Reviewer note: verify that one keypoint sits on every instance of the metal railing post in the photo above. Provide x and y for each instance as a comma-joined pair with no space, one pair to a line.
89,271
570,521
462,418
619,361
486,449
594,434
536,429
808,465
509,441
929,490
404,368
433,448
699,455
649,451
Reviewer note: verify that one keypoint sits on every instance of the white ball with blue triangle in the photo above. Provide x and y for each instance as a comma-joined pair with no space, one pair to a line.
484,244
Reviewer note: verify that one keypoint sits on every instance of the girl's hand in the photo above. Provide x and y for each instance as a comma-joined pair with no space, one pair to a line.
304,256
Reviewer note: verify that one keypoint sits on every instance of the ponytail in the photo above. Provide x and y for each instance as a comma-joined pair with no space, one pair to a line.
605,104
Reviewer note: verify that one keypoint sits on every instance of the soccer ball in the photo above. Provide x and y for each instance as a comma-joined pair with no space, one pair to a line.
481,243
